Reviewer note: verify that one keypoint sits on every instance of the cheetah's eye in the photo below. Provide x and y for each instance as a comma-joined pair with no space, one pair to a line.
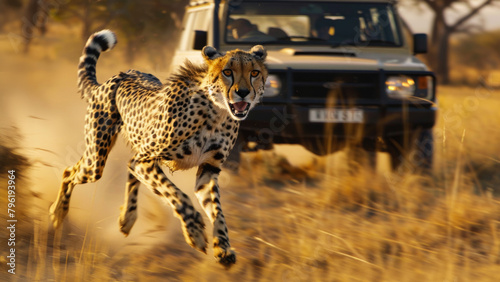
255,73
227,72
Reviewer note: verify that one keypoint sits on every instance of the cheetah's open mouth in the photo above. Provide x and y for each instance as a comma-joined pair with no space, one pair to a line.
239,109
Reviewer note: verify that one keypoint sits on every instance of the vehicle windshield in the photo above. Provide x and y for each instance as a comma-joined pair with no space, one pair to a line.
316,23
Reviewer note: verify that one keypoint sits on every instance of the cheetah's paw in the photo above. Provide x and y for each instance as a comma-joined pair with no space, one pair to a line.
127,220
57,212
194,232
224,255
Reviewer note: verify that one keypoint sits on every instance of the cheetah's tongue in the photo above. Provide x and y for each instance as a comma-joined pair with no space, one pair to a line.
240,106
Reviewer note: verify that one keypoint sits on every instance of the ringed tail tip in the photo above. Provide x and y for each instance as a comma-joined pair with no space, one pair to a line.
105,39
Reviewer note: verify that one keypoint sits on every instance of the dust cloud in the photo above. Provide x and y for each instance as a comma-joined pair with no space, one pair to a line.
39,100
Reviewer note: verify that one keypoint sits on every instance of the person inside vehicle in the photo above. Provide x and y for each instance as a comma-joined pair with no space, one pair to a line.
243,30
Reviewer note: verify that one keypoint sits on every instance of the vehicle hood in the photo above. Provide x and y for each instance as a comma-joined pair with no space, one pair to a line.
343,59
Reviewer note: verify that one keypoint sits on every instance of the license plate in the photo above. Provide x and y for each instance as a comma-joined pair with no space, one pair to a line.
336,115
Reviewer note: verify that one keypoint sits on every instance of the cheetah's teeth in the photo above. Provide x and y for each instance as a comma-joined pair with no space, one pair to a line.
239,109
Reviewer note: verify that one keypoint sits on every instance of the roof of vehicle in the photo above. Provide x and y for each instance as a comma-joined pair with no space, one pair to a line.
201,2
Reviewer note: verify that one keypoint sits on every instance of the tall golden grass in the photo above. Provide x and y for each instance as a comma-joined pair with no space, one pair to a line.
318,221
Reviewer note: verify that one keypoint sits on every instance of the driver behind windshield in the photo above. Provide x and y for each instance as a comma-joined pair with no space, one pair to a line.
324,29
346,30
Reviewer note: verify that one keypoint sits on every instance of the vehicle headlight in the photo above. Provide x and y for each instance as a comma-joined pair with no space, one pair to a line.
400,87
273,86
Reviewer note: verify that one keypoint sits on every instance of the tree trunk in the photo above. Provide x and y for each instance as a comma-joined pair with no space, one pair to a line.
42,16
438,49
87,22
29,24
441,32
443,70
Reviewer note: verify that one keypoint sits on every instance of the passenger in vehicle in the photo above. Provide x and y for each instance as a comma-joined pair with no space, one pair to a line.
324,29
244,30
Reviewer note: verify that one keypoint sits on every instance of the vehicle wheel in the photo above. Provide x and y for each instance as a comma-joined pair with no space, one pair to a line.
357,156
416,155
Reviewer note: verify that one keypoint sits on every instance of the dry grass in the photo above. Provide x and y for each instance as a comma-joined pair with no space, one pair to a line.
319,221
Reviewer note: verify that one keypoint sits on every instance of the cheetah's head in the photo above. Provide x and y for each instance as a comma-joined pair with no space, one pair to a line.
237,77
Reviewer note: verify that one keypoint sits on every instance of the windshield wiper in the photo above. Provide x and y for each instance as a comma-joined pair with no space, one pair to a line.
373,42
304,37
334,44
380,42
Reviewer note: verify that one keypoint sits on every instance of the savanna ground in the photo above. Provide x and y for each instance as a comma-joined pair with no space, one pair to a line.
306,218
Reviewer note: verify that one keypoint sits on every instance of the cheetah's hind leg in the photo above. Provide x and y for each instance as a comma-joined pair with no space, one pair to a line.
128,214
59,209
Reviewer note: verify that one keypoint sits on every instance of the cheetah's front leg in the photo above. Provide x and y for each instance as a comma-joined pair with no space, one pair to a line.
207,191
151,174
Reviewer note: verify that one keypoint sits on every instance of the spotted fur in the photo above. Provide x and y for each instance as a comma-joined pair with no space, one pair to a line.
191,120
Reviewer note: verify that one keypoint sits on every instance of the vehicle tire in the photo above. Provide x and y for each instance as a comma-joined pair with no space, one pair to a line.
358,157
417,155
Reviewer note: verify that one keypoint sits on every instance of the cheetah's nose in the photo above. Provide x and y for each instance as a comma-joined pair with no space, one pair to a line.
242,92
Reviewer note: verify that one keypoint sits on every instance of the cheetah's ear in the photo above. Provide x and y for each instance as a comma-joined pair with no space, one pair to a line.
210,53
258,52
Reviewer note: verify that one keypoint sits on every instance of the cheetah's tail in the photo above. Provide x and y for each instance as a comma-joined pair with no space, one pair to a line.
98,42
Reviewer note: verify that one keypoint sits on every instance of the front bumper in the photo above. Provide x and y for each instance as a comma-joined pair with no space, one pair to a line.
285,118
290,123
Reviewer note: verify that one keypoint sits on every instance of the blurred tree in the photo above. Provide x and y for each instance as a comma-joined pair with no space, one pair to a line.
35,17
156,22
442,30
139,23
91,14
10,10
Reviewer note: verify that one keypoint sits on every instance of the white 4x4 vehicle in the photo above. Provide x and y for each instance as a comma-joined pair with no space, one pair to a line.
340,71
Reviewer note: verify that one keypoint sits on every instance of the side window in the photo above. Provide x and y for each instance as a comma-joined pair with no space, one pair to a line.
195,20
188,31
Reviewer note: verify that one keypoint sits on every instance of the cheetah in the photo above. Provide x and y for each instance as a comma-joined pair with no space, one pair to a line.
190,120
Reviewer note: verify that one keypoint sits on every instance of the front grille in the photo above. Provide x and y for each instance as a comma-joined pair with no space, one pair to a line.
342,88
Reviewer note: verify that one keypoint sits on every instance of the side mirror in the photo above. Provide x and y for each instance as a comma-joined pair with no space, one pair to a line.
200,39
420,43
